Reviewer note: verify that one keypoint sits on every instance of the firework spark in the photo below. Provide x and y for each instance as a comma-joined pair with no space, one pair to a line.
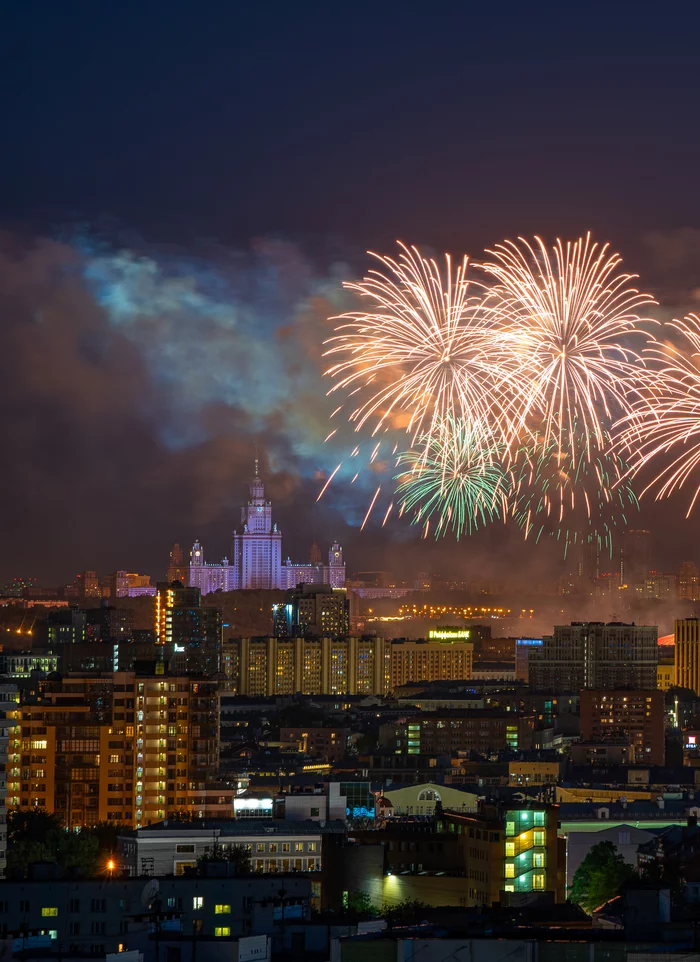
571,319
565,495
455,482
672,421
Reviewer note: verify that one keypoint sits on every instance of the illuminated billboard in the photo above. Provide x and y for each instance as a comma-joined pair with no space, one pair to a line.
529,642
449,634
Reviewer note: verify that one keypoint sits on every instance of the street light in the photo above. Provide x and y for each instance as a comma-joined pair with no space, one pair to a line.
110,867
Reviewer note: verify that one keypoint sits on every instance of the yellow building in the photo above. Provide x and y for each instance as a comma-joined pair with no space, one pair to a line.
665,675
686,633
534,773
434,660
319,666
349,666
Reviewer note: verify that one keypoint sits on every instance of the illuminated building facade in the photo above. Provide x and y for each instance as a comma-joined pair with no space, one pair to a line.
595,655
515,850
313,666
208,577
433,660
122,748
313,611
314,572
189,632
633,715
257,549
9,696
687,638
447,733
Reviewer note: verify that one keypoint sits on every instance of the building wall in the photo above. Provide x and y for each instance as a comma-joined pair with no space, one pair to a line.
449,733
277,848
149,750
422,799
274,666
94,916
430,661
632,714
595,655
625,838
687,638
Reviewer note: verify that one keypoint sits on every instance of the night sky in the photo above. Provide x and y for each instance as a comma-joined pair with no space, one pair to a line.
186,184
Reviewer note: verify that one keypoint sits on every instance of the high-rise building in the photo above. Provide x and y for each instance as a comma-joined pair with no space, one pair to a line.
310,611
9,696
318,666
688,582
177,569
343,665
632,715
446,659
686,633
595,655
123,748
257,549
189,632
635,558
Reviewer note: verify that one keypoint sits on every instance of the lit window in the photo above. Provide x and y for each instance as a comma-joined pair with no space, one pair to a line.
49,911
222,930
510,849
222,910
198,902
510,870
538,881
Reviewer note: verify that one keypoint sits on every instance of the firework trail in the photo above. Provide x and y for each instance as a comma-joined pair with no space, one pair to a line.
455,482
569,496
570,319
669,419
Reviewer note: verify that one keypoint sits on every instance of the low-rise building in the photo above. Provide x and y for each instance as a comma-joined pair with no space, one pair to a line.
330,744
92,917
422,799
482,731
535,772
172,848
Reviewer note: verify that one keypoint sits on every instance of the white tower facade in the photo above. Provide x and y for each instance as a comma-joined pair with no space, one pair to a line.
336,566
257,549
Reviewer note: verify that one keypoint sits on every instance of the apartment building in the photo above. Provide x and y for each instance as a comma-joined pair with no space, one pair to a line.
447,733
123,748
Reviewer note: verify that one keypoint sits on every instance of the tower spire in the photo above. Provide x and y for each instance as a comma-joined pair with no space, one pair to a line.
257,461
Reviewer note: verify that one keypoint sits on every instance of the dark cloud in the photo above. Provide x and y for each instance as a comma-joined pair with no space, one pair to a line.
135,383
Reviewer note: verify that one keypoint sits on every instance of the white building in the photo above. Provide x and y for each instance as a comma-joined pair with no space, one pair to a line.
208,577
332,574
257,549
168,848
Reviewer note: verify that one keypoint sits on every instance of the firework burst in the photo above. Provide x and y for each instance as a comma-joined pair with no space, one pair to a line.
422,349
669,422
453,481
570,319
